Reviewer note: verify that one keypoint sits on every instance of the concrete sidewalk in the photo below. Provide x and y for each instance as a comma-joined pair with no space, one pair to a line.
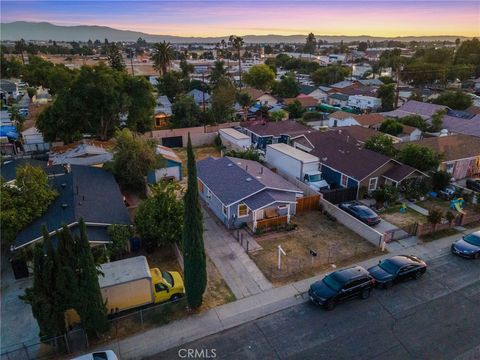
247,309
239,271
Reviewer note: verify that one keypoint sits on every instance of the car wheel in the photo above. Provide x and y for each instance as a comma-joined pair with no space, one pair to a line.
365,294
476,256
418,274
330,305
388,285
175,297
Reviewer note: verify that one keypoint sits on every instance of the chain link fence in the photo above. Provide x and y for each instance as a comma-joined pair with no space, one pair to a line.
76,341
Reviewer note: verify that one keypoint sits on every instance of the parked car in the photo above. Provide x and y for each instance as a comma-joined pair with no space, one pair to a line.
99,355
361,212
448,193
396,269
341,285
468,246
473,184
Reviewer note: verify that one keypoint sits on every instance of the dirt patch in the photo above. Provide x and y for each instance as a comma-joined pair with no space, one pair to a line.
443,205
334,244
402,220
200,154
33,111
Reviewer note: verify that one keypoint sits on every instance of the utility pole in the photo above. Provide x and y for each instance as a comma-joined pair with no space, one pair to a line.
398,89
131,60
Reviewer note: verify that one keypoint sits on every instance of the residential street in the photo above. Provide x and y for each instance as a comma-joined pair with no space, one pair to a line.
436,317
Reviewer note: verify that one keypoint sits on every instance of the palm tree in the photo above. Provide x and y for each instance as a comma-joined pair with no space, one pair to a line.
217,72
237,43
245,101
224,45
162,57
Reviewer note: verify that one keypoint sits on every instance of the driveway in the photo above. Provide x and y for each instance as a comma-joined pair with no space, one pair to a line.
237,269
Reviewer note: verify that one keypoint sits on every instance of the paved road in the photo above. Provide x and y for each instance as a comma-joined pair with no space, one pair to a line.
436,317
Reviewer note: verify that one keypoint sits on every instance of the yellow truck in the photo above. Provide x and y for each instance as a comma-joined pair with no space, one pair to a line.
130,283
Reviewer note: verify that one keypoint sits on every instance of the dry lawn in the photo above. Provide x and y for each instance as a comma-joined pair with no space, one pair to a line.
395,217
442,204
200,154
334,244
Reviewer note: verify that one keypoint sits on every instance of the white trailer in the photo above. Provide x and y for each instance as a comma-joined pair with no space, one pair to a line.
232,138
295,163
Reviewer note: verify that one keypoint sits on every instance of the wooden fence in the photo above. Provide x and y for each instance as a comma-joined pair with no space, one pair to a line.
307,203
268,223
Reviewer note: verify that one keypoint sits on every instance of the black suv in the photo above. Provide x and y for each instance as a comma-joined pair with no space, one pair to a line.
341,285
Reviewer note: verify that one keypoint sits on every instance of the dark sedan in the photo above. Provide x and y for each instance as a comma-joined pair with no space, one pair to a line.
473,184
397,268
361,212
468,246
341,285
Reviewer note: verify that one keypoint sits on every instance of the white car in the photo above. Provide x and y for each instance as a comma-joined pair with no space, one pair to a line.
99,355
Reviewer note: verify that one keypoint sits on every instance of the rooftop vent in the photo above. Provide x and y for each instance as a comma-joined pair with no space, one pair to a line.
249,179
64,206
64,185
258,177
230,165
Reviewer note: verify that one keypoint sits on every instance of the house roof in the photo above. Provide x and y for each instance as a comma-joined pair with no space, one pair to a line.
369,119
86,192
475,110
198,95
462,126
371,82
233,179
234,134
341,84
9,168
338,96
341,115
270,128
305,101
306,89
82,154
407,129
8,86
420,108
400,172
293,152
348,158
355,90
359,133
267,197
452,147
167,153
254,93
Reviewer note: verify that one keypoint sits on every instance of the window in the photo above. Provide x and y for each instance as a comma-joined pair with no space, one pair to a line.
200,186
209,193
160,287
372,184
450,168
242,210
344,180
224,210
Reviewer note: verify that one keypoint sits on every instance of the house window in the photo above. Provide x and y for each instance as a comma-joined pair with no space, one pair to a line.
372,184
242,210
224,210
344,180
200,186
450,168
209,193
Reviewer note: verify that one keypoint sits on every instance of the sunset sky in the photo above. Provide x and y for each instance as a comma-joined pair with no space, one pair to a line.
214,18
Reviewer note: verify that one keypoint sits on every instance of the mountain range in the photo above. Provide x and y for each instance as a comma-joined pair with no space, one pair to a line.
46,31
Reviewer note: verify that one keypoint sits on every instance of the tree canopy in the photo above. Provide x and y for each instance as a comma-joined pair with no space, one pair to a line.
382,144
391,126
330,75
419,157
185,112
457,99
260,77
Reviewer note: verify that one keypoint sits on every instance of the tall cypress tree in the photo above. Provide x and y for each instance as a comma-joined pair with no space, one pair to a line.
90,307
193,249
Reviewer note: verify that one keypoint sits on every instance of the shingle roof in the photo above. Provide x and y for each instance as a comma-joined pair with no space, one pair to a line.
338,96
399,172
475,110
266,197
86,192
168,153
359,133
198,95
341,84
233,179
462,126
270,128
369,119
83,154
421,108
9,167
341,115
305,101
452,147
254,93
348,158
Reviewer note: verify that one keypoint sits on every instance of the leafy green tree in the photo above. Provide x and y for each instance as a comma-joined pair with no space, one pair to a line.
278,115
91,308
329,75
391,126
434,217
415,121
439,180
186,68
381,144
295,110
457,100
245,101
386,194
133,158
159,218
115,58
119,238
194,259
25,201
171,84
419,157
249,154
140,104
469,53
185,112
162,56
437,120
286,87
310,44
260,77
218,72
31,91
386,93
386,79
222,100
10,67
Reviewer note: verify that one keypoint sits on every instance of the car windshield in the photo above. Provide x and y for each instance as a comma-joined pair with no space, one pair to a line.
472,239
100,356
168,277
364,211
332,282
314,178
388,266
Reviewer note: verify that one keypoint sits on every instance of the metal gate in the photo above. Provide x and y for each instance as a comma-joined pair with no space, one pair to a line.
173,141
337,196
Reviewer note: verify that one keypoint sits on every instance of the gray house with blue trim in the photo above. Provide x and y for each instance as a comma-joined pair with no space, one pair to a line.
244,192
344,163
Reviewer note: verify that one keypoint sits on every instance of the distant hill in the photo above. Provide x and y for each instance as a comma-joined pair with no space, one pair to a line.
47,31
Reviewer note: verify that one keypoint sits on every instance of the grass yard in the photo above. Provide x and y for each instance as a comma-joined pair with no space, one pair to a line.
333,243
430,203
200,154
395,217
438,235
